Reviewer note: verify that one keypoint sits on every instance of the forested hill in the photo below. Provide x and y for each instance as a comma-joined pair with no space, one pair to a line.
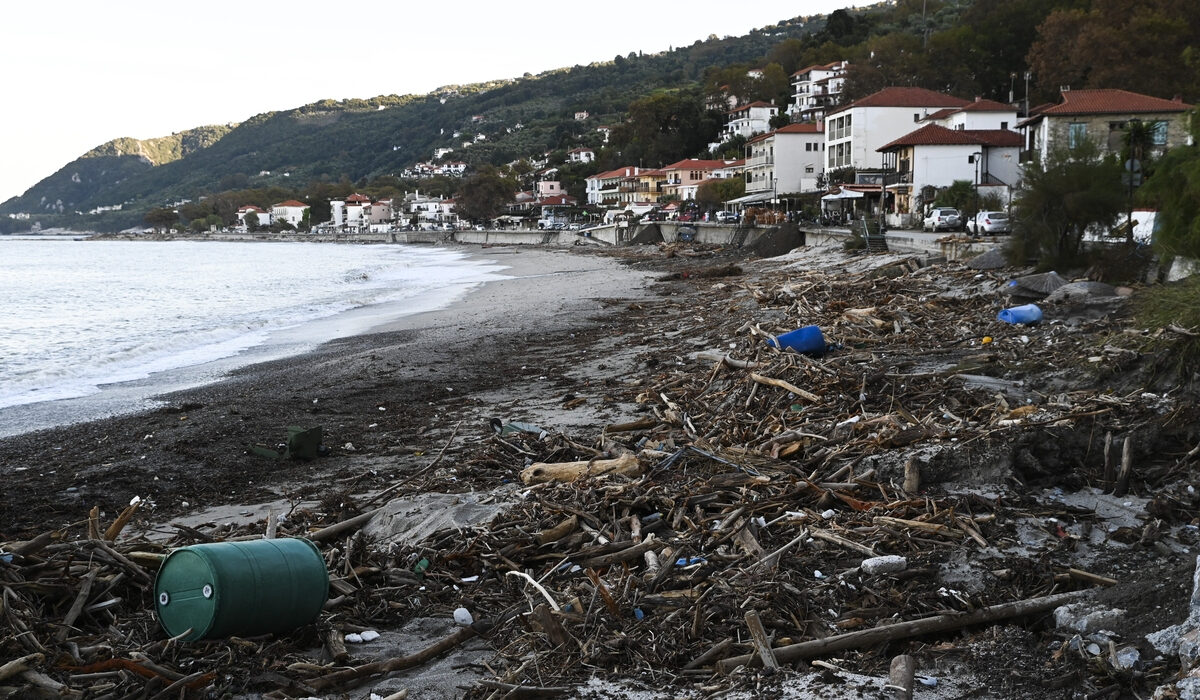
964,47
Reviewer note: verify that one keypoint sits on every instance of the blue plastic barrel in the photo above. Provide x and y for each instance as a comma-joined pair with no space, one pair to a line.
1027,313
807,340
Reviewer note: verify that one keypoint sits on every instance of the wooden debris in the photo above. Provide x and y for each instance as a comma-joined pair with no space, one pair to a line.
541,472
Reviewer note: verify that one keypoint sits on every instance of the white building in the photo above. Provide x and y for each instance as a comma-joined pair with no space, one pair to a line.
934,157
581,155
815,90
290,211
854,133
603,188
787,160
980,114
352,213
748,120
263,216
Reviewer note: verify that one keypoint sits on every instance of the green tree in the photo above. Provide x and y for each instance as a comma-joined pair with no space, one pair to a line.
961,195
1076,190
162,218
251,220
483,194
1174,190
665,127
1118,44
714,193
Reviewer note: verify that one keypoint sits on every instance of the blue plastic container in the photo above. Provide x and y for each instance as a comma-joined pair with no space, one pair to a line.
1028,313
807,340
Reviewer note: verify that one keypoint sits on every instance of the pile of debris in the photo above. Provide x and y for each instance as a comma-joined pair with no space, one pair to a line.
931,473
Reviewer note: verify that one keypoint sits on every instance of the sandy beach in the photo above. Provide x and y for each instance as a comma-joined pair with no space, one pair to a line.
386,393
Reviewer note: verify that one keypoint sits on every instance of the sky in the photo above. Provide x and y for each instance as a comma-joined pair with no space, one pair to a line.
79,73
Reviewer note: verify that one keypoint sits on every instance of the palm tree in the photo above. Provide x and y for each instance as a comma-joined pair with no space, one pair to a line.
1139,142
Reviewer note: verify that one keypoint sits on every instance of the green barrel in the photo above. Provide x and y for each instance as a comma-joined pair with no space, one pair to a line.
241,588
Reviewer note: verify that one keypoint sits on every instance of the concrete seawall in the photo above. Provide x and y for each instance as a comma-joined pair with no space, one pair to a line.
663,231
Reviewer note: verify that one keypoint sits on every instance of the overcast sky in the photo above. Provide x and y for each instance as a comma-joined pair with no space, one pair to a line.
78,73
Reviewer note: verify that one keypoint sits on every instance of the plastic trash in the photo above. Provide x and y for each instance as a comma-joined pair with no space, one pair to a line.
807,340
463,616
1027,313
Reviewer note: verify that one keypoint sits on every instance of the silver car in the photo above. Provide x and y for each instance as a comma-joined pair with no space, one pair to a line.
942,219
990,222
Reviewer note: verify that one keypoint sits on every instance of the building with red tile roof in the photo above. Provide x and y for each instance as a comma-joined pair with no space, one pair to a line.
290,211
933,157
1102,116
855,132
788,160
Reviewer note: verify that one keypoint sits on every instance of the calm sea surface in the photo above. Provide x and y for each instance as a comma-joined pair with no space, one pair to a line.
76,316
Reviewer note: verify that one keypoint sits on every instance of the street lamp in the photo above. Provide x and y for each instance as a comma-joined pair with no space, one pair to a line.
975,158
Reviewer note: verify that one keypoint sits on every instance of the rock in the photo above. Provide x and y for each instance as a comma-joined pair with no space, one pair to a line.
463,616
1078,291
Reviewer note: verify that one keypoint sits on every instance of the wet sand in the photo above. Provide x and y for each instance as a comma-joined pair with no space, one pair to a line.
379,397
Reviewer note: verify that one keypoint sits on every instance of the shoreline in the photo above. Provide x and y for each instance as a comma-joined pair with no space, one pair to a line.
180,448
125,397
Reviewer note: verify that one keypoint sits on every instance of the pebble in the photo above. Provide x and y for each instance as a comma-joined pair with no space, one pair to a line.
463,617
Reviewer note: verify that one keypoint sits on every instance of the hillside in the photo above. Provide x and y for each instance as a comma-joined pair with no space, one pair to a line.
354,139
965,48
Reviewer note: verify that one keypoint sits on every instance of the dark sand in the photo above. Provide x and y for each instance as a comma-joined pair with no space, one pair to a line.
383,399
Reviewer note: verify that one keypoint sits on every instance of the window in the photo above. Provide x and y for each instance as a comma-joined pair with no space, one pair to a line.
1076,134
1158,133
1004,126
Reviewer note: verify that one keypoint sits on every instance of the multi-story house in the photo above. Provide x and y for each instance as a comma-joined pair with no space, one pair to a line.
854,132
352,213
581,155
603,188
934,157
748,120
290,211
815,90
787,160
1102,116
680,177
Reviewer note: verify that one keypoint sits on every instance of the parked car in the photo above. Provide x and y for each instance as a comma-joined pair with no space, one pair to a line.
726,217
689,216
942,219
990,222
656,215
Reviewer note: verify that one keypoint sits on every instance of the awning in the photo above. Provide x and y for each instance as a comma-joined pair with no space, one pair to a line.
752,198
844,194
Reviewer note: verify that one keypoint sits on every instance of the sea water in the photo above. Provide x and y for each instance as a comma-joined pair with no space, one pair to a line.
135,317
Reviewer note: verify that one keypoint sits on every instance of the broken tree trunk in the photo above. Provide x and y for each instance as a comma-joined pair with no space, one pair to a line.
903,630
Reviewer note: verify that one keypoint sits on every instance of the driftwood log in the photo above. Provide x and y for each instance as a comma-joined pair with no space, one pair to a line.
540,472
